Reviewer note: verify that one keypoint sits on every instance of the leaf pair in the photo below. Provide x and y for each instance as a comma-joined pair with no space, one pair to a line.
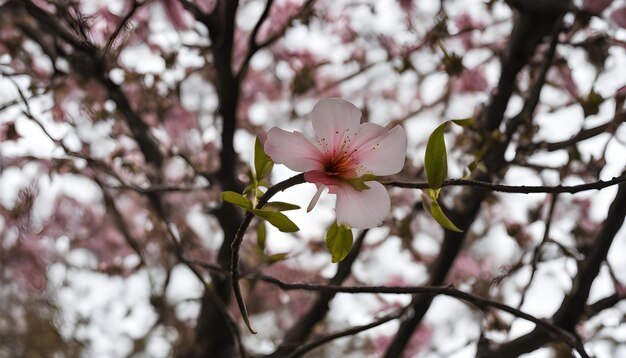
436,165
270,212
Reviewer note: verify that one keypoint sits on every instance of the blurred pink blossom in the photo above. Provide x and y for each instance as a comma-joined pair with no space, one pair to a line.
619,17
596,6
421,338
467,267
465,23
471,80
176,13
178,121
280,15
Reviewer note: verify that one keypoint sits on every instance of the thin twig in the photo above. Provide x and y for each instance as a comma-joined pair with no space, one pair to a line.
236,243
347,332
478,302
514,189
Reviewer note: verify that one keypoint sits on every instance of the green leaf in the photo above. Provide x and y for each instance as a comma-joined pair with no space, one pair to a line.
339,241
237,199
359,183
261,235
263,164
591,104
279,220
280,206
466,122
436,159
276,257
441,218
433,194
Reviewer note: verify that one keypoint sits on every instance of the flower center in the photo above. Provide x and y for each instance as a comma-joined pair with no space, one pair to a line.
340,166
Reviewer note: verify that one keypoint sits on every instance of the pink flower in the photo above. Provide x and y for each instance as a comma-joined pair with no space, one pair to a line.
343,157
619,17
596,6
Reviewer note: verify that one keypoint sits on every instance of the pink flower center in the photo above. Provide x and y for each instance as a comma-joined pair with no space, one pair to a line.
340,166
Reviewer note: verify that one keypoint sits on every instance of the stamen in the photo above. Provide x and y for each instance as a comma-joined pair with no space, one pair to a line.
315,198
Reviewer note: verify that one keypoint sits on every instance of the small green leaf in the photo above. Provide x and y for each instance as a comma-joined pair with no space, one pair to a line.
279,220
237,199
280,206
441,218
436,158
591,104
433,194
276,257
263,164
359,183
261,235
453,64
466,122
339,241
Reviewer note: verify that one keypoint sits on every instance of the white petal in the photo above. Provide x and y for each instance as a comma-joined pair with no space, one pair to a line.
315,198
369,134
292,150
363,209
385,157
335,121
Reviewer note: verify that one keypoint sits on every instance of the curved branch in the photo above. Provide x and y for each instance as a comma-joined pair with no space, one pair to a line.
238,239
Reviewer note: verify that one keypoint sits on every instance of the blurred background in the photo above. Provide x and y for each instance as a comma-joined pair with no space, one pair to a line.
122,122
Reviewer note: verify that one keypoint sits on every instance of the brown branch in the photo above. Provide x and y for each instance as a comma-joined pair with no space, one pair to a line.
300,330
528,32
133,9
345,333
253,45
513,189
584,134
476,301
238,239
574,304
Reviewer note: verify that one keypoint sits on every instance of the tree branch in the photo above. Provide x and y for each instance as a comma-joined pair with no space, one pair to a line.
528,32
513,189
574,305
303,328
238,239
476,301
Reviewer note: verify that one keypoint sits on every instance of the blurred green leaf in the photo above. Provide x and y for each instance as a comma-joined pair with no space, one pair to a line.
276,257
339,241
441,218
263,164
261,235
279,220
436,158
237,199
591,104
280,206
466,122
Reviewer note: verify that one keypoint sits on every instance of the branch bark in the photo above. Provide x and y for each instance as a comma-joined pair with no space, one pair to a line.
529,30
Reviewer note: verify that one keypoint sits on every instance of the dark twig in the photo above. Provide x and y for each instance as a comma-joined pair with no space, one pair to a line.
253,45
133,9
522,189
478,302
300,331
236,243
347,332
